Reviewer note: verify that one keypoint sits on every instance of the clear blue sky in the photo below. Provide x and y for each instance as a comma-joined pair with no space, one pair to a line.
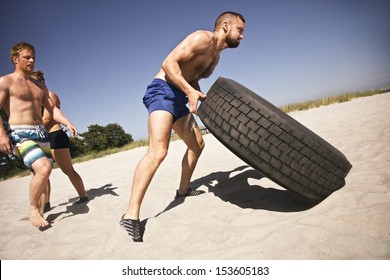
99,56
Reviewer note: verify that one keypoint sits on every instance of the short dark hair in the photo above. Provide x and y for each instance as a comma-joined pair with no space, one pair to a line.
227,16
38,75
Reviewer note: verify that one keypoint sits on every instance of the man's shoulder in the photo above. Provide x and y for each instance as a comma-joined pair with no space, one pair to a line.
9,76
200,37
6,80
202,33
53,95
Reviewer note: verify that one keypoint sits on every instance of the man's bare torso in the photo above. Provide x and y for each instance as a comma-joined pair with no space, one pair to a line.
199,66
24,99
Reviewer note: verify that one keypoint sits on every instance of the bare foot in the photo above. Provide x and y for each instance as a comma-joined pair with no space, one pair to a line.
36,218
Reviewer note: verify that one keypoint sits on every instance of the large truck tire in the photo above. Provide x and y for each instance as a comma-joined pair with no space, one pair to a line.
272,142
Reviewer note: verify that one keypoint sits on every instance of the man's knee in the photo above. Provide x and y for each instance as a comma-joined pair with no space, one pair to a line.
42,167
158,154
67,170
45,170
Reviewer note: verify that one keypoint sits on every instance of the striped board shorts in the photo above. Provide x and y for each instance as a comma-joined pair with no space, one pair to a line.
31,142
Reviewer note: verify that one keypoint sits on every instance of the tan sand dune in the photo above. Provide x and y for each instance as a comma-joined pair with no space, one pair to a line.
242,216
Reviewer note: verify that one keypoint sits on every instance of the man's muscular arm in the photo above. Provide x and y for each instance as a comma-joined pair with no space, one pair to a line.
5,143
196,43
57,114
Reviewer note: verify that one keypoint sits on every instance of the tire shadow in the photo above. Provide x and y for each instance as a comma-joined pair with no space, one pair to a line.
233,187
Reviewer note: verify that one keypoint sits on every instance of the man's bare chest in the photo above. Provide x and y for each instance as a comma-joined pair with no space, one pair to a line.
203,66
26,92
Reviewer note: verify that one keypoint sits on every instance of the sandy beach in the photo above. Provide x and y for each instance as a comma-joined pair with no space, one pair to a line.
242,215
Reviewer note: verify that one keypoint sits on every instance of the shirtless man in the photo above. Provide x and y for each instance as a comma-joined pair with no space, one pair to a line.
175,85
22,97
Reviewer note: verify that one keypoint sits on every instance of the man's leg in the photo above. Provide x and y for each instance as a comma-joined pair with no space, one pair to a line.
47,206
159,126
63,159
188,130
42,169
44,198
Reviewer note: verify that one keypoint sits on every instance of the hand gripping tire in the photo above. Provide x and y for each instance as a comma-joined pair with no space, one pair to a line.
272,142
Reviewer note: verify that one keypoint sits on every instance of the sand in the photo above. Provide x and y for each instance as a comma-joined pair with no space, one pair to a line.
241,216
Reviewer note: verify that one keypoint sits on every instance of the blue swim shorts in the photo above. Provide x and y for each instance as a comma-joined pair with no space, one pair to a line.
162,96
31,142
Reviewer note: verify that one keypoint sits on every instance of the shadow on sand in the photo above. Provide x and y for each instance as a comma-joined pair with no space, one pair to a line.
233,187
73,209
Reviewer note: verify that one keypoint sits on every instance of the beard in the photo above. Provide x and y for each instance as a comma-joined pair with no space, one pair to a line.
232,43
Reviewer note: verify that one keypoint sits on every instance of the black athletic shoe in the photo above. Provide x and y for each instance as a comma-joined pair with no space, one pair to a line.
132,227
81,200
190,192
